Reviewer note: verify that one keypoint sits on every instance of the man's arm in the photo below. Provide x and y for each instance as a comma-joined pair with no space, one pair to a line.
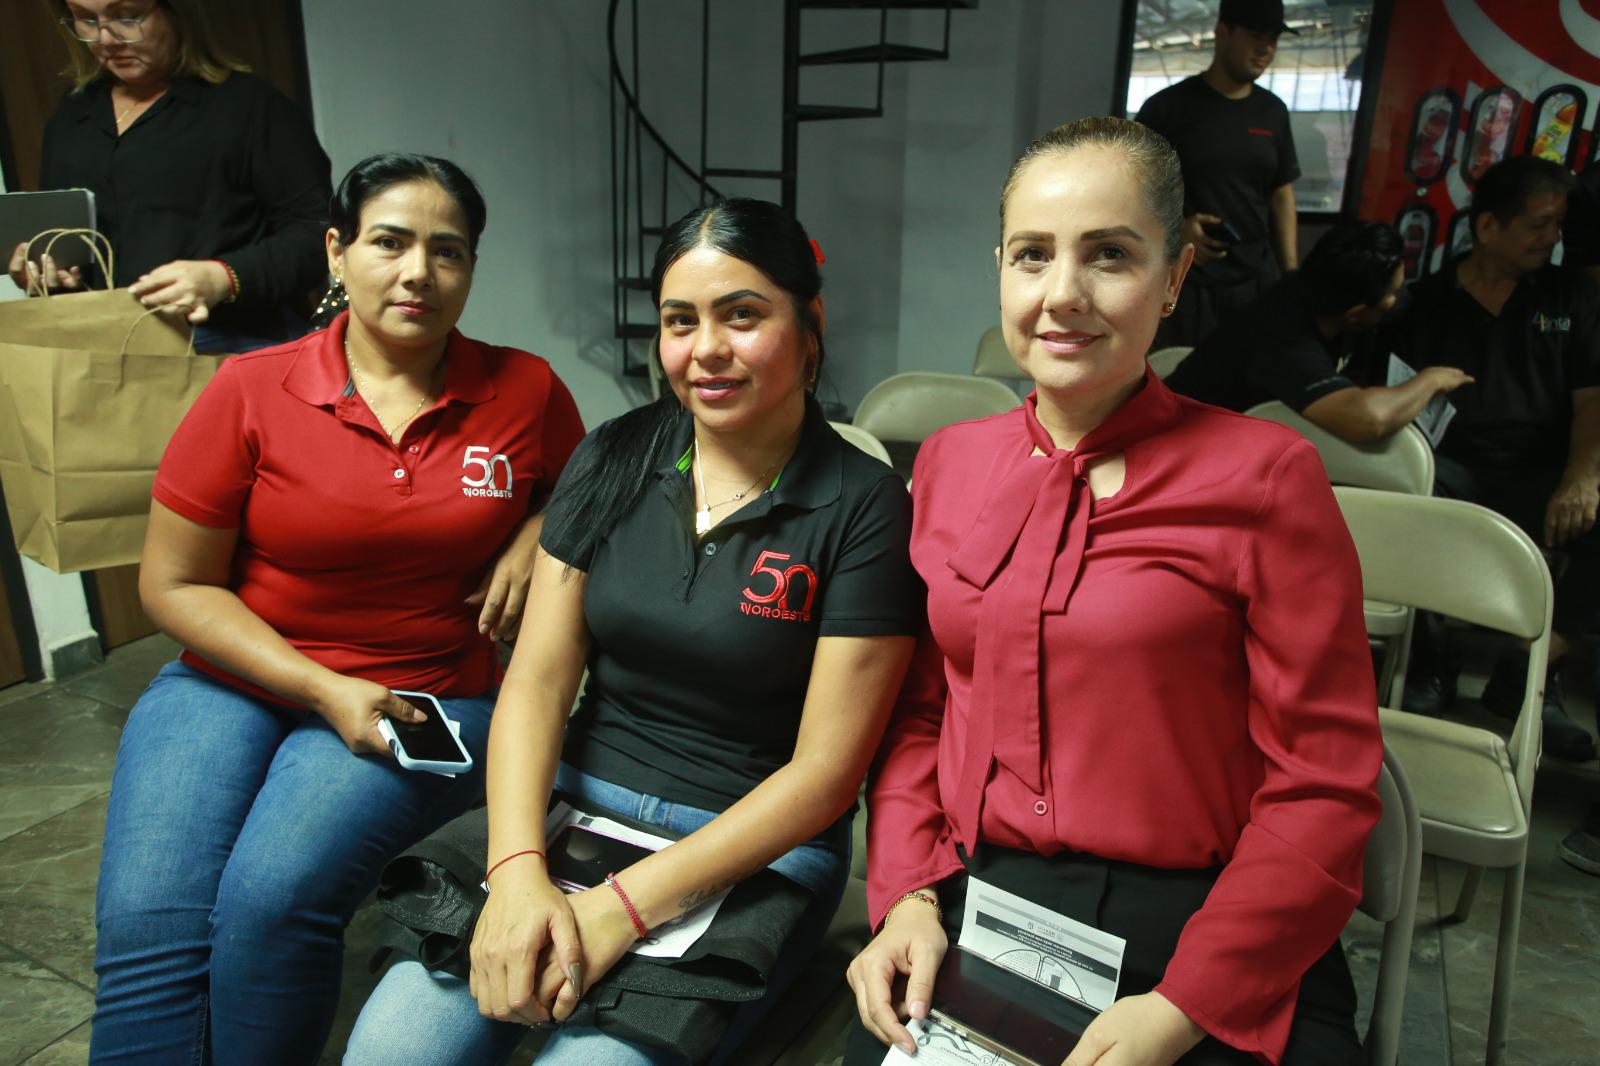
1365,415
1573,506
1285,222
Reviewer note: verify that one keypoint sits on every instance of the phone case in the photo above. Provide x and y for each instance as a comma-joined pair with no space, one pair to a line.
431,765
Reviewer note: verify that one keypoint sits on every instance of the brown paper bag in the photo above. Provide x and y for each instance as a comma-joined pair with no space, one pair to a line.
91,389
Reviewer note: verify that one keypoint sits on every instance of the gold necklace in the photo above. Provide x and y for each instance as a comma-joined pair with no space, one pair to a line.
356,374
702,517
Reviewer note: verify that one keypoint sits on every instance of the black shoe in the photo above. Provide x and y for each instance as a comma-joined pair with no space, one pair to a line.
1581,849
1507,682
1563,738
1428,693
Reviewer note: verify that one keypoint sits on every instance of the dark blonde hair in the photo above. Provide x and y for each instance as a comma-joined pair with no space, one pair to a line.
199,54
1147,152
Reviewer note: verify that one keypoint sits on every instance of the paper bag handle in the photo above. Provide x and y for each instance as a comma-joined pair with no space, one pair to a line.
99,247
138,321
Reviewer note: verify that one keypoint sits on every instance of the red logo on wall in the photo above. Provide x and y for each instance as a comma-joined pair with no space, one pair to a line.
777,602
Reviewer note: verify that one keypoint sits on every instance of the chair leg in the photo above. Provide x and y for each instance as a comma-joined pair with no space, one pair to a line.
1505,965
1402,662
1469,892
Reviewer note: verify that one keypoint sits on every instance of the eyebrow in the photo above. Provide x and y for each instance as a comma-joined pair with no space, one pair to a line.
440,235
1112,231
738,294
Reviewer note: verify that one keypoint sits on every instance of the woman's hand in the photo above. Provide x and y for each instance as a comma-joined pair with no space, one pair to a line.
912,943
527,922
605,932
1142,1030
354,706
504,590
191,285
28,277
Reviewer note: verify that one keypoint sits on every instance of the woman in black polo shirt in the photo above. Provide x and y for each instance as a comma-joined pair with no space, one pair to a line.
210,185
736,579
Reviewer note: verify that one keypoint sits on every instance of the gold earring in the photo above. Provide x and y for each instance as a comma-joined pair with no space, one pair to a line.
1168,308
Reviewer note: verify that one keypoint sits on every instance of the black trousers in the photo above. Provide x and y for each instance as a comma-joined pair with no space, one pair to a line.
1148,908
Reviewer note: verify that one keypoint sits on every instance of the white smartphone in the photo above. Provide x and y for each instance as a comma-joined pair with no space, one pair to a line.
426,745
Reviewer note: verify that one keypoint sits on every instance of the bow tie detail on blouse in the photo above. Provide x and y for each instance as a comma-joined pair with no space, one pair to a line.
1026,553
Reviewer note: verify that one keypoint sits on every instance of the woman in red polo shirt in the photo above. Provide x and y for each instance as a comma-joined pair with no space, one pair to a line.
1146,700
340,516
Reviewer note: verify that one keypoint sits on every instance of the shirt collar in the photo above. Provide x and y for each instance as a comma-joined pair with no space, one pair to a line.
813,478
319,375
1146,412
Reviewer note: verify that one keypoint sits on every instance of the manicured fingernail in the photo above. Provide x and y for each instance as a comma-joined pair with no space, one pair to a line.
576,977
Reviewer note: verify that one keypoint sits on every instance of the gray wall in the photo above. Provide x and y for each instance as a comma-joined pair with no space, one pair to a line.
903,206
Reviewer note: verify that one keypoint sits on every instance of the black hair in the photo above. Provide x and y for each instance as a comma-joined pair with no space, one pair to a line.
605,480
1353,263
1505,188
377,173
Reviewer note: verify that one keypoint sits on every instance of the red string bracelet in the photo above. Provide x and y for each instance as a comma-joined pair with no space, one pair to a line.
233,282
633,915
513,855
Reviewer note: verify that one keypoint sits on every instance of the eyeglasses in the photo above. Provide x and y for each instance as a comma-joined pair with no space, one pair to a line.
123,30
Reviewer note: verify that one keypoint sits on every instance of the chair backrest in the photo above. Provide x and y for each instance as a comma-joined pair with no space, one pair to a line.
863,440
1402,462
910,407
1392,871
1165,360
993,358
1464,561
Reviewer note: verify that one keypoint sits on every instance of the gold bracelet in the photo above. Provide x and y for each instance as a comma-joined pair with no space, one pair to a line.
938,911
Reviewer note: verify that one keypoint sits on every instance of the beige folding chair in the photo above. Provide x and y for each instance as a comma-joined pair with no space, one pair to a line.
1392,872
904,410
1474,789
993,358
1402,462
1166,360
863,440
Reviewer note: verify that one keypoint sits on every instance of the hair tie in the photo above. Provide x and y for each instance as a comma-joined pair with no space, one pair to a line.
816,250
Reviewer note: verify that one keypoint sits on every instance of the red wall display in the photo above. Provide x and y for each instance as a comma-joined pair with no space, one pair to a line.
1463,84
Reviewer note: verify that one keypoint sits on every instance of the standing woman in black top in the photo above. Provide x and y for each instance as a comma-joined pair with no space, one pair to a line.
209,183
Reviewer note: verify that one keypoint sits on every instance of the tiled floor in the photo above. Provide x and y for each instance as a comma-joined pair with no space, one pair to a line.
57,743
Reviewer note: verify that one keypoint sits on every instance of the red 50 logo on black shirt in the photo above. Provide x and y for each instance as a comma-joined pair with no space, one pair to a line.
776,602
489,468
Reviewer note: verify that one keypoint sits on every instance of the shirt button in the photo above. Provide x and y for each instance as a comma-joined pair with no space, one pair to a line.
1041,808
399,473
711,549
413,449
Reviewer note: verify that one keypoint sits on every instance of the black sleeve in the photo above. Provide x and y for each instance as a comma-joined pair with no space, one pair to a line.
290,176
873,591
1585,342
561,504
1288,161
1298,373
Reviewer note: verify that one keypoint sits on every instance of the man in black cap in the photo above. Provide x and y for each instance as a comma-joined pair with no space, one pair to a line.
1239,165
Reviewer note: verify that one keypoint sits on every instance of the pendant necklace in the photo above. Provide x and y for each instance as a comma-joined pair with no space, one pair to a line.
356,374
702,517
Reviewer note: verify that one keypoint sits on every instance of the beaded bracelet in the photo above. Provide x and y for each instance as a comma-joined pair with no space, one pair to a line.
233,281
633,915
938,911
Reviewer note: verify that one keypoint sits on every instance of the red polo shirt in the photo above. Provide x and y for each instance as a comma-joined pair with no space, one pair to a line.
1193,688
359,551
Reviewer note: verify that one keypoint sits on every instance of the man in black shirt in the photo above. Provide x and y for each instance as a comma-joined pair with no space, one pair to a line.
1300,340
1526,437
1233,140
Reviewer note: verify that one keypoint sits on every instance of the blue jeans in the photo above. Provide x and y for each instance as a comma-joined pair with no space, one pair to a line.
419,1017
239,841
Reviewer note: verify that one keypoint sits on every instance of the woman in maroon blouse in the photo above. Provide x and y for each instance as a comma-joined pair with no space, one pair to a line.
1145,700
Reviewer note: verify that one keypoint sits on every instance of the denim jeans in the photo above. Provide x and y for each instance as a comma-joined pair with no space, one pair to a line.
239,840
419,1018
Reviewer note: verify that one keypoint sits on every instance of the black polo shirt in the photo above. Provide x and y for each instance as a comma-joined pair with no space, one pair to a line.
702,647
1234,153
1527,361
1267,350
230,171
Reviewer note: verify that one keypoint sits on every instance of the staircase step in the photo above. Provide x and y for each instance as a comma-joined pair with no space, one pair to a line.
823,112
872,53
892,5
742,172
635,331
642,284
